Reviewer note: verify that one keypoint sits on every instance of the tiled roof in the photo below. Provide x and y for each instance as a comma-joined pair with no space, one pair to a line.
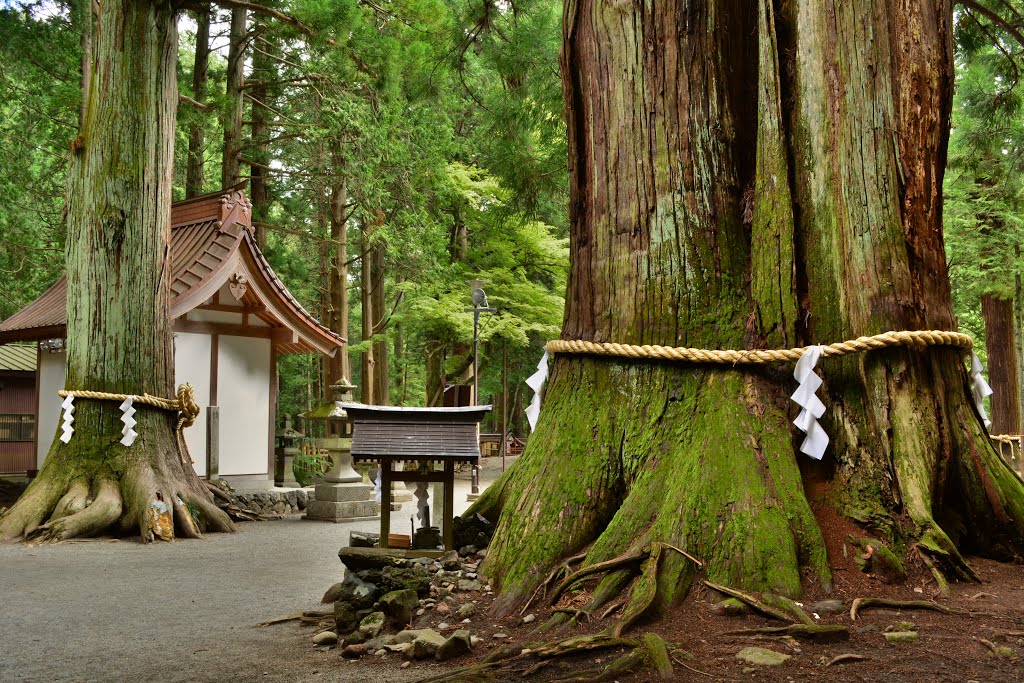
210,236
18,357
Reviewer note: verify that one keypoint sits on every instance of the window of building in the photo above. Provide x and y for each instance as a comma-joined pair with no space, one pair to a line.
17,427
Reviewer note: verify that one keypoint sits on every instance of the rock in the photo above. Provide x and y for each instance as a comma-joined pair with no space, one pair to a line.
761,656
333,593
363,539
354,651
398,606
354,638
372,624
901,636
396,578
384,641
421,611
828,607
475,640
499,636
345,618
405,665
357,559
425,645
730,607
459,644
866,628
354,590
467,550
450,560
443,626
469,585
407,636
325,638
900,626
529,618
466,610
472,530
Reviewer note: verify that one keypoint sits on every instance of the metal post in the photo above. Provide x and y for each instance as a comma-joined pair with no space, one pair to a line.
504,402
474,486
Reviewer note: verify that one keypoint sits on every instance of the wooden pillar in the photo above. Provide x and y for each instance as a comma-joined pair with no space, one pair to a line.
449,505
385,501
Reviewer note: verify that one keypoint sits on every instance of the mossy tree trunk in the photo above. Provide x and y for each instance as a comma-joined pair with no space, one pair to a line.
1004,375
751,176
119,325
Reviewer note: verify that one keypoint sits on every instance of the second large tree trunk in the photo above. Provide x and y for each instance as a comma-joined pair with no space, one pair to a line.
728,192
1004,376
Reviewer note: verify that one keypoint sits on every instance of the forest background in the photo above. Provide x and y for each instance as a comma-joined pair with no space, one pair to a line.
396,149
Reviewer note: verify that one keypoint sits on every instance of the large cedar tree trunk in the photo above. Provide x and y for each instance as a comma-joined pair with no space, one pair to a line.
119,326
751,175
231,163
338,366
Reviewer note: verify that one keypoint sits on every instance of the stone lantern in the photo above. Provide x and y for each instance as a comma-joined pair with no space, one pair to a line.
341,496
286,448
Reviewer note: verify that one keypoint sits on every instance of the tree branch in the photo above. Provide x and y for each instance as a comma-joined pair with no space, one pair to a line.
994,18
260,9
185,99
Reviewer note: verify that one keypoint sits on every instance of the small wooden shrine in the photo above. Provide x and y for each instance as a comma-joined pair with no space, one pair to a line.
430,442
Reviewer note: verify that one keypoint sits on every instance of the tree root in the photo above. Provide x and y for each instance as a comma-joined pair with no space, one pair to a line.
564,568
818,633
104,510
615,563
760,606
864,603
511,663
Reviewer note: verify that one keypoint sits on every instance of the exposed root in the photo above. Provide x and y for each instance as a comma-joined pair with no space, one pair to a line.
294,616
577,615
845,659
645,587
186,524
622,561
865,603
100,515
751,600
510,663
819,633
75,500
564,568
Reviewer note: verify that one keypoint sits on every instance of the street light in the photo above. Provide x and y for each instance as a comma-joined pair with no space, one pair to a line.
479,299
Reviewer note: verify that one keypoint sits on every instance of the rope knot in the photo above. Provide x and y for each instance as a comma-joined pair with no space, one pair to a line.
187,405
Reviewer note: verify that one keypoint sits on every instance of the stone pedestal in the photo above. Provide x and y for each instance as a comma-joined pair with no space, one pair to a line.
342,496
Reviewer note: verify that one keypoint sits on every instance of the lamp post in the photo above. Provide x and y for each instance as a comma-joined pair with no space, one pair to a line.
479,299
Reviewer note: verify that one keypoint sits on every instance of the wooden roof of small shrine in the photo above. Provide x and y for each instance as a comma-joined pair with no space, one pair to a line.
212,244
415,434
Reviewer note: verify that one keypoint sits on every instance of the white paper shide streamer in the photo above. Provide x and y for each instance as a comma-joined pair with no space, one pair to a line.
979,388
536,382
69,417
377,486
128,433
811,407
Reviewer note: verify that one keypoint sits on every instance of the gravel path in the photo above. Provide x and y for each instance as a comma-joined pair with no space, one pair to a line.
114,610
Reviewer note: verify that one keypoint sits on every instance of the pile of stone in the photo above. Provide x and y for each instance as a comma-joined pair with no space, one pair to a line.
385,603
269,503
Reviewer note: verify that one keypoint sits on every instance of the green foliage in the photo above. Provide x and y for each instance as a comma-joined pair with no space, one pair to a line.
308,466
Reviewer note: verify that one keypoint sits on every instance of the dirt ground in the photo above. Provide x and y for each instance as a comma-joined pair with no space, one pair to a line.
986,645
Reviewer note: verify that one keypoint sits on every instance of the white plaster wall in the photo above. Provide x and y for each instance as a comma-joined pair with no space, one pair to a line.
243,394
51,380
226,317
192,365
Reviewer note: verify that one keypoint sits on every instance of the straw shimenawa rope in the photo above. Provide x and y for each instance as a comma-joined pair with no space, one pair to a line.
919,339
184,404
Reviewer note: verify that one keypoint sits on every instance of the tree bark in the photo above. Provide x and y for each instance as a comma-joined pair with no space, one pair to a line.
339,367
1003,373
264,71
750,177
366,360
118,304
231,163
195,175
381,368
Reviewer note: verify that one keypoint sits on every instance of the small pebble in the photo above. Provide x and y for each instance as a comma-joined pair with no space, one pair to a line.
529,618
466,621
499,636
405,664
420,612
442,626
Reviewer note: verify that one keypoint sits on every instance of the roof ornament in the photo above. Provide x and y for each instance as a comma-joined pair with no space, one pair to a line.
238,285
